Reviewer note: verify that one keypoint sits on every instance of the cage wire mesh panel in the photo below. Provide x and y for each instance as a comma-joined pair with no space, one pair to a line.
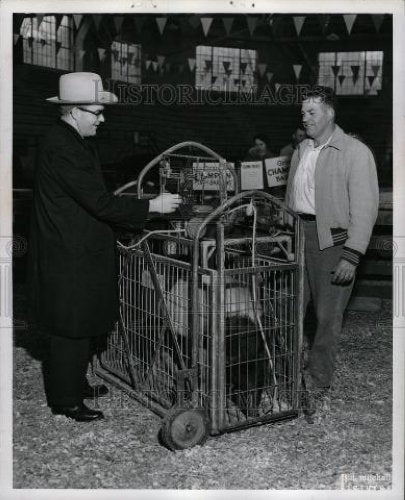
211,314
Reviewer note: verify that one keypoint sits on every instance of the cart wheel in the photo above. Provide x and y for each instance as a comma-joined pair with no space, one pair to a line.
184,428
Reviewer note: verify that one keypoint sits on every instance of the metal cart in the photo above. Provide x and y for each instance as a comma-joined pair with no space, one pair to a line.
210,330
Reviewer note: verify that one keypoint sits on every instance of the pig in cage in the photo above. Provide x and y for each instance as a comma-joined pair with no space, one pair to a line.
210,330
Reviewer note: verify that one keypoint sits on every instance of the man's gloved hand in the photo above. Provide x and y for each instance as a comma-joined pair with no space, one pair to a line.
344,273
165,203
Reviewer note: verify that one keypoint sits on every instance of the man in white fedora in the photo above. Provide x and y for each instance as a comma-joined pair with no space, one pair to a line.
74,293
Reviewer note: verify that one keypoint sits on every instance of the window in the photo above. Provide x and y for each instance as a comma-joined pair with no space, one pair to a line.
351,73
225,69
46,45
126,62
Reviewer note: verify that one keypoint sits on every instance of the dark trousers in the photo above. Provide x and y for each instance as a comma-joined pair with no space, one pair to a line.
65,378
329,302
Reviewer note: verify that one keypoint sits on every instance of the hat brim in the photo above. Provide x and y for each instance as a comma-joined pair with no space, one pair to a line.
104,98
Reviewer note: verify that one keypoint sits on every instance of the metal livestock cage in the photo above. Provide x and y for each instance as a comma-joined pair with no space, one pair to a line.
210,329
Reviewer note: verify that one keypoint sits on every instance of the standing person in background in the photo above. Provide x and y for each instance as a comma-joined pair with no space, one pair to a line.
297,137
73,275
260,149
333,186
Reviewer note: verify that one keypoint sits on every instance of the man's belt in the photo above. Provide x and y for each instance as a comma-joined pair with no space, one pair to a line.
307,217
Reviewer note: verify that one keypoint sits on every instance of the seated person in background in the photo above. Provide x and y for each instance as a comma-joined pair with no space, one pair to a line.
260,150
298,136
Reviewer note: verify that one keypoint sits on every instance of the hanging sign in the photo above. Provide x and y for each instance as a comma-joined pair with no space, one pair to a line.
277,170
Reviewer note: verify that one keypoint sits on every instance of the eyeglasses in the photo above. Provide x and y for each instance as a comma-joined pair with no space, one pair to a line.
95,113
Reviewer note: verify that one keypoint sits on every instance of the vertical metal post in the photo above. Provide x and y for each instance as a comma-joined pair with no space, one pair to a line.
299,283
221,358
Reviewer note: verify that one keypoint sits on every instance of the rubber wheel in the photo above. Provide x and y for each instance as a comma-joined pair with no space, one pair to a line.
184,428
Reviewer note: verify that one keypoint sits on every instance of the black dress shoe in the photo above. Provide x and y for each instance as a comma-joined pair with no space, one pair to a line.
95,391
80,413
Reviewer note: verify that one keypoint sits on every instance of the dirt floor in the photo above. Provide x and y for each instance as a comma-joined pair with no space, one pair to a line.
348,446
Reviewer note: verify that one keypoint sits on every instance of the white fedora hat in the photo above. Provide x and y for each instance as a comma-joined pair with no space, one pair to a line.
82,88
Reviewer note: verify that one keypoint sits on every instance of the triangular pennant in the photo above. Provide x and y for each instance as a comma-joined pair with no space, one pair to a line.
43,41
191,63
277,85
252,23
213,79
97,18
262,68
226,65
58,20
161,22
39,17
228,72
194,21
349,21
377,20
297,70
58,45
269,76
341,79
115,54
124,60
130,57
371,80
355,70
236,81
101,53
298,23
243,67
139,22
16,36
206,24
335,69
208,64
324,20
77,18
161,60
155,65
81,53
147,64
228,22
118,20
375,68
243,83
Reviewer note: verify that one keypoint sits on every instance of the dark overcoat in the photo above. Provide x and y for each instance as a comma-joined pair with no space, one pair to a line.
73,274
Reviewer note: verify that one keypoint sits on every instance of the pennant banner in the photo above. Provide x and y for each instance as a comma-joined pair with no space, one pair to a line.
161,60
341,79
208,65
191,63
97,18
335,69
155,65
226,65
39,17
77,18
30,41
262,68
228,22
277,85
206,24
16,36
58,20
213,79
252,23
243,67
148,63
297,70
371,80
130,57
375,68
324,20
101,53
377,20
298,23
58,45
269,76
118,20
355,71
161,22
81,53
349,21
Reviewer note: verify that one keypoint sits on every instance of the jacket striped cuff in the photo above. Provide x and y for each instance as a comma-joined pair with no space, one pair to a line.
352,256
339,235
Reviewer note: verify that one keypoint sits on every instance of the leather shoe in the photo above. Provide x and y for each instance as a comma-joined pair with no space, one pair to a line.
80,413
95,391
